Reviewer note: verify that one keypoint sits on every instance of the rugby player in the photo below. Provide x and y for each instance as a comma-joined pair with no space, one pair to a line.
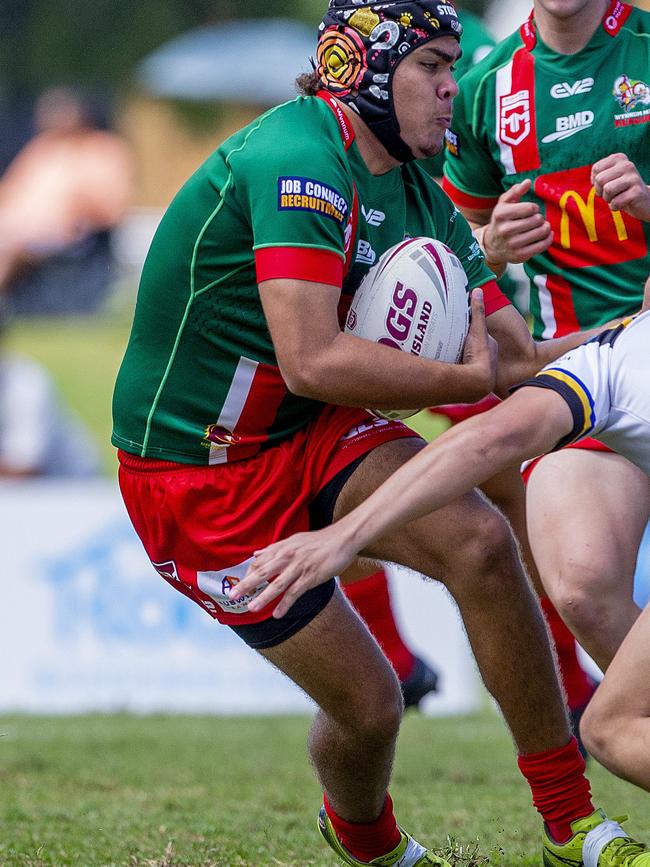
237,412
548,157
600,389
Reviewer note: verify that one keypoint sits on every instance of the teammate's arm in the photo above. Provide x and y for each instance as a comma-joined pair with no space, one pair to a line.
528,423
512,230
319,361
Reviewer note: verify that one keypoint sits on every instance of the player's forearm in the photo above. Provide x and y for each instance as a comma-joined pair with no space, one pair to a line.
452,465
529,423
497,267
547,351
350,371
521,357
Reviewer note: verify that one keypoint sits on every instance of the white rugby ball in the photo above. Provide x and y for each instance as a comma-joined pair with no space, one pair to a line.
414,299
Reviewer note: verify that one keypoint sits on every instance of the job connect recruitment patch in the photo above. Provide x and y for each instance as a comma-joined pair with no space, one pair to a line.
308,194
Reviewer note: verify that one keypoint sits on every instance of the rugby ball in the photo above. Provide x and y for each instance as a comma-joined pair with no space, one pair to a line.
414,299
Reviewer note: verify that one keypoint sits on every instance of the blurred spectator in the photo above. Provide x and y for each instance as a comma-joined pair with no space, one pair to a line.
59,199
38,435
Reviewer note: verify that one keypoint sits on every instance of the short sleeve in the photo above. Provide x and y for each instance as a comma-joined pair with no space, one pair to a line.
581,378
294,182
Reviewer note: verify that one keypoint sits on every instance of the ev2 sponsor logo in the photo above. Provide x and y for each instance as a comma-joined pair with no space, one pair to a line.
569,125
372,216
564,89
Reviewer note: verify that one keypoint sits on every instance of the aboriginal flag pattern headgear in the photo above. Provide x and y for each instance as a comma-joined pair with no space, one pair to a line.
359,47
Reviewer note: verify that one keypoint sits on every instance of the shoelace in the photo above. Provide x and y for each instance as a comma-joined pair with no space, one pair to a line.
602,837
621,852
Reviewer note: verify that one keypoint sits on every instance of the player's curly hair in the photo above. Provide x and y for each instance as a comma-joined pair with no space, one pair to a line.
308,83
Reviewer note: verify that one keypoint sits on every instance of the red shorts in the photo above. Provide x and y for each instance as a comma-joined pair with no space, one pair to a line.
200,525
587,443
457,412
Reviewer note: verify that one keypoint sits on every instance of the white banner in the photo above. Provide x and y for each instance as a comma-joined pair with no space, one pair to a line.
87,624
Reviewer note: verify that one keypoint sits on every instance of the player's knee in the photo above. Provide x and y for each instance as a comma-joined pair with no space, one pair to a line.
376,711
487,558
601,730
581,598
380,724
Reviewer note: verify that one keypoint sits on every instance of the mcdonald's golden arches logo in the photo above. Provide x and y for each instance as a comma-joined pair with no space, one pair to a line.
585,231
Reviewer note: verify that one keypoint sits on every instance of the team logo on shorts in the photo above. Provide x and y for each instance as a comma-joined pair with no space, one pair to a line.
167,570
308,194
220,436
363,430
631,94
216,584
228,582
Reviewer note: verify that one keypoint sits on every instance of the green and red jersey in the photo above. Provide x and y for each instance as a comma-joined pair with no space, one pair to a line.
529,112
289,196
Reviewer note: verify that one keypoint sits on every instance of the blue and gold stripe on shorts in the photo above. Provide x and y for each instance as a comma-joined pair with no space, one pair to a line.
575,393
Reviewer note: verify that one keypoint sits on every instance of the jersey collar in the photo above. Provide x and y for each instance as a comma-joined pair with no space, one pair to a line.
345,127
612,23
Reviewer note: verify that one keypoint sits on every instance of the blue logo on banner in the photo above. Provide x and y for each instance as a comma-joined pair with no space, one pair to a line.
106,586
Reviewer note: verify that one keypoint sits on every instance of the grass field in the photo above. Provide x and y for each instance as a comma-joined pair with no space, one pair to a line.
235,792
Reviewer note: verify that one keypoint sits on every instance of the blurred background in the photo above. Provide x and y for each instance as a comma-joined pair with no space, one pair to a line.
105,109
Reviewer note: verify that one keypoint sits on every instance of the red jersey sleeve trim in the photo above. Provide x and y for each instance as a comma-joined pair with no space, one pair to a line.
299,263
493,297
467,200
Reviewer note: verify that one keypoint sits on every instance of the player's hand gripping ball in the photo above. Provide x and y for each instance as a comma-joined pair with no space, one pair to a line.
414,299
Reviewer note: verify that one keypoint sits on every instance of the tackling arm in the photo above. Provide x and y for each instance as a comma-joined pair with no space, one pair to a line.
529,423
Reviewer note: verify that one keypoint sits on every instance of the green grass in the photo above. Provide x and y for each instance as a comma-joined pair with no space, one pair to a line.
234,792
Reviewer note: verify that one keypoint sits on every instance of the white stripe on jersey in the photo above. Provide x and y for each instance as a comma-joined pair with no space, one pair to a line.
503,84
233,405
546,311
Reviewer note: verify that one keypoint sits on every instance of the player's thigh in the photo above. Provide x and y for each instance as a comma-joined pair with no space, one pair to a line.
586,512
359,569
338,663
435,544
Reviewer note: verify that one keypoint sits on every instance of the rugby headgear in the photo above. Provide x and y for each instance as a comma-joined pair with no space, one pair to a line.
359,47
